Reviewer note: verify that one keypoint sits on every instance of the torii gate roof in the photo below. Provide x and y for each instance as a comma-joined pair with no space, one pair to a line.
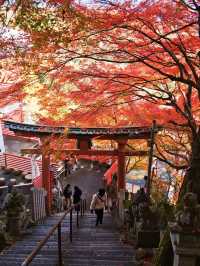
75,132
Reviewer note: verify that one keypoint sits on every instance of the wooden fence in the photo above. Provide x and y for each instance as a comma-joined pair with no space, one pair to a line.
38,204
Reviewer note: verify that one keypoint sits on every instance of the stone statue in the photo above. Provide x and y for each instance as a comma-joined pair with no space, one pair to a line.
188,219
148,218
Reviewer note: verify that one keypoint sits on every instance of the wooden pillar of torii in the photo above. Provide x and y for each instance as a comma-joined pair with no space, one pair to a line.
121,182
121,165
46,177
46,180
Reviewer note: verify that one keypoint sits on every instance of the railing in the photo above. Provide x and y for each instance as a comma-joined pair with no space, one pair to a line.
57,226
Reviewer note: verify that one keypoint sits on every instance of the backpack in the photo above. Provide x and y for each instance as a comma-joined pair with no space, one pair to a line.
67,193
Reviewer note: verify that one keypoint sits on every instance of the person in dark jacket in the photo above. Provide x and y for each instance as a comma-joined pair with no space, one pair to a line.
68,195
140,196
77,197
67,166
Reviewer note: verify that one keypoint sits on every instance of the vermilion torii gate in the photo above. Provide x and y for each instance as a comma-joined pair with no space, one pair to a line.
84,137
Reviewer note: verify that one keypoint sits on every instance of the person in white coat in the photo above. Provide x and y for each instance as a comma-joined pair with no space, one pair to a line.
98,204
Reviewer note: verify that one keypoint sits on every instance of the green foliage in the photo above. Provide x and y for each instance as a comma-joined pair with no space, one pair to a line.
15,204
2,235
127,204
164,255
165,211
31,22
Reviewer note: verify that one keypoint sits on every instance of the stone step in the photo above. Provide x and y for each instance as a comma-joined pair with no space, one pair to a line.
91,246
38,262
100,245
101,256
21,258
98,262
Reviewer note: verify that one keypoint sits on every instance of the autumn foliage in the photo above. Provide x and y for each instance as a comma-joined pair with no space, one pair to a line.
108,63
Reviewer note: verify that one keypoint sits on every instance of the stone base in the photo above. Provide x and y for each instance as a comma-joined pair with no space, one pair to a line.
186,249
148,239
186,261
14,226
189,240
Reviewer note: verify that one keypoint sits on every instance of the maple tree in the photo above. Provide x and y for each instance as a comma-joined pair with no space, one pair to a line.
11,75
145,54
114,63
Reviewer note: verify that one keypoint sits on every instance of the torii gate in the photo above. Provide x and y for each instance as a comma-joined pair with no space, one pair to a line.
84,137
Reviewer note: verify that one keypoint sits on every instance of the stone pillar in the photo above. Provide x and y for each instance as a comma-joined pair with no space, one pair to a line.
186,249
149,176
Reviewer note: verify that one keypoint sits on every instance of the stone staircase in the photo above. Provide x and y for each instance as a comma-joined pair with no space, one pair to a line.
48,255
97,246
91,246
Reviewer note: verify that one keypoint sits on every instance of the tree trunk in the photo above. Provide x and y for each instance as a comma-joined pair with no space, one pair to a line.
191,181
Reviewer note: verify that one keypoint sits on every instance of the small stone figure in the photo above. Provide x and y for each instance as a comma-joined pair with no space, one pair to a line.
148,218
15,208
189,218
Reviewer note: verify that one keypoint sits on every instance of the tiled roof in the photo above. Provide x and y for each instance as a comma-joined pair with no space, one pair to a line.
90,132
